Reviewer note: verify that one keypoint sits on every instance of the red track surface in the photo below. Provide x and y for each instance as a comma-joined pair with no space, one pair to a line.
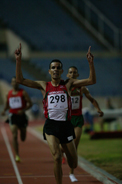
36,166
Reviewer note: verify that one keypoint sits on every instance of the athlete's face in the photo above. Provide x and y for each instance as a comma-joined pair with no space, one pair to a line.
55,70
14,83
72,73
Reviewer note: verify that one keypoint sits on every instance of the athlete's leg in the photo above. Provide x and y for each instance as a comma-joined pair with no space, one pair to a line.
71,154
14,130
78,132
63,155
54,146
23,134
70,151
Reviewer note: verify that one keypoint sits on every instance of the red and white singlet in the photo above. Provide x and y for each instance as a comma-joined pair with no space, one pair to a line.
57,102
16,101
76,100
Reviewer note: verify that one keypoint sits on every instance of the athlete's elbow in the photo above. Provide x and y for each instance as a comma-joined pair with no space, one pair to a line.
19,80
93,81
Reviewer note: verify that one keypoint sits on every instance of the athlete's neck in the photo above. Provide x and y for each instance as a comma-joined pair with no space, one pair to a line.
55,82
15,90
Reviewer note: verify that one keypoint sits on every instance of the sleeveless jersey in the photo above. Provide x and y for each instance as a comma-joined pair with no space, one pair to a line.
57,102
76,100
16,101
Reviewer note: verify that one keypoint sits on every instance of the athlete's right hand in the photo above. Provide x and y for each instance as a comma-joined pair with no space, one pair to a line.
18,53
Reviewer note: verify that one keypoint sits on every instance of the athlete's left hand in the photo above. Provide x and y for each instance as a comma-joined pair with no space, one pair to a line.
100,113
90,57
18,53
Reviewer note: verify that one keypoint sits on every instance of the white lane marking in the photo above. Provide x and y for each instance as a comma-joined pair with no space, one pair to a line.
11,155
46,176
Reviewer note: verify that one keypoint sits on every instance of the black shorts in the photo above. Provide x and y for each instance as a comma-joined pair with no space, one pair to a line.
20,120
63,130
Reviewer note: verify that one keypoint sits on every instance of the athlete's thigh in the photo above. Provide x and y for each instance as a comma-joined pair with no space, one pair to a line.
78,132
54,144
70,151
22,133
14,129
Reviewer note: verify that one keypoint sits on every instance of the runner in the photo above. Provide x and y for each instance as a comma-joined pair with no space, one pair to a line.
57,109
17,102
77,117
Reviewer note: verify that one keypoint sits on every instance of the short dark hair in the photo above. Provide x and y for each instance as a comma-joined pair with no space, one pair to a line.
56,60
73,67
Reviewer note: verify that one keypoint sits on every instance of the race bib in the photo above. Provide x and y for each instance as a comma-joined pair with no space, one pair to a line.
57,101
75,102
15,102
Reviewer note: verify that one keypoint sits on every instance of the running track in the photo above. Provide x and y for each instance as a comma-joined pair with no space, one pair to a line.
36,166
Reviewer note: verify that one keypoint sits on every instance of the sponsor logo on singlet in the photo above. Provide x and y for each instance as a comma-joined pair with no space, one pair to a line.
61,86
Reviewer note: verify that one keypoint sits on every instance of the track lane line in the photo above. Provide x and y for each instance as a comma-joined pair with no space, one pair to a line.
47,176
5,137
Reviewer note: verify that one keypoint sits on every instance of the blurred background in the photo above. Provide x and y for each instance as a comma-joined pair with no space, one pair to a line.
63,29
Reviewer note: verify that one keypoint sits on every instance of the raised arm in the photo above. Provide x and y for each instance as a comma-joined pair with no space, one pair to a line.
92,76
90,58
19,76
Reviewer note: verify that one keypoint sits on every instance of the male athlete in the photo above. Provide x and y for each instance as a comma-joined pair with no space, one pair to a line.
57,109
17,102
76,113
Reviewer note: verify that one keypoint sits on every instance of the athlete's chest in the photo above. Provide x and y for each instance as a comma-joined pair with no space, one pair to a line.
75,92
15,101
57,99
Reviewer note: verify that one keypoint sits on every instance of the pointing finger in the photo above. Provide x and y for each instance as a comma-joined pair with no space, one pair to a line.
89,50
20,46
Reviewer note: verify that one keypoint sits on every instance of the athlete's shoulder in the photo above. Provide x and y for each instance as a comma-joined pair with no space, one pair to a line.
48,84
84,89
68,81
20,89
9,92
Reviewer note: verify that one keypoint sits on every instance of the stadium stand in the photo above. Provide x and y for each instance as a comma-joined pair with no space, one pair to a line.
106,6
7,71
46,26
108,72
104,18
110,9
